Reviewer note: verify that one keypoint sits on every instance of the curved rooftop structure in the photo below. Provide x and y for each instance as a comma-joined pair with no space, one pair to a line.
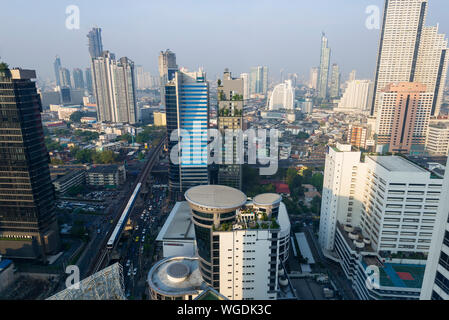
175,277
215,197
267,199
282,97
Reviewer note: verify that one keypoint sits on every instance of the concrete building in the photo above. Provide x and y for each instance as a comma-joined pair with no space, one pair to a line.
167,69
78,79
403,117
160,119
313,78
334,90
436,277
95,43
71,179
282,97
437,139
357,97
241,244
246,85
230,120
357,135
106,175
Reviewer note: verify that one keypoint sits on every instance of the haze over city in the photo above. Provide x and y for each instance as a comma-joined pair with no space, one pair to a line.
213,34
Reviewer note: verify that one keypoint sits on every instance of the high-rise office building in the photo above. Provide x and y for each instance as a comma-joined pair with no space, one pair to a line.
259,80
323,77
64,76
313,78
334,91
167,69
403,117
436,278
78,79
230,119
95,43
143,78
115,89
409,51
89,85
437,139
56,67
187,113
28,225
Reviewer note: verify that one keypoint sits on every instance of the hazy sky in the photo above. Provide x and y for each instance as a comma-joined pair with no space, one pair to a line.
238,34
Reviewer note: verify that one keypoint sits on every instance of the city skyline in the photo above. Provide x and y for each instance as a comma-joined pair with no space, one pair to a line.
301,19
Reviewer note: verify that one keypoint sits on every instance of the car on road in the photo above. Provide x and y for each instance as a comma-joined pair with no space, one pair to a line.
128,263
129,272
135,271
137,239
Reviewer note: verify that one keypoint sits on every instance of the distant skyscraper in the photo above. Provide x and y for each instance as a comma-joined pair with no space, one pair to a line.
89,85
115,89
352,75
143,78
409,51
78,79
28,225
323,77
95,43
230,117
187,111
64,76
403,117
335,82
167,69
259,80
56,67
313,78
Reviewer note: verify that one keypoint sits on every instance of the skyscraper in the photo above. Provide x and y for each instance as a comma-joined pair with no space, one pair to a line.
313,78
28,225
282,96
352,75
167,69
115,89
323,77
409,51
95,43
64,78
187,113
230,119
89,85
335,81
259,80
357,97
56,67
78,79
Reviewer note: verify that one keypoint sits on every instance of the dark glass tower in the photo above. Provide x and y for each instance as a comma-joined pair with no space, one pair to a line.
95,43
28,226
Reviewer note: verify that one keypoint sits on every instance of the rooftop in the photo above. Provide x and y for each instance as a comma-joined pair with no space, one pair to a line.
397,164
267,199
215,197
165,278
179,224
111,168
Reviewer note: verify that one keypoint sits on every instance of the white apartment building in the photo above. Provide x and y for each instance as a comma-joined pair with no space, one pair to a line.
436,277
282,96
391,199
357,97
340,174
437,139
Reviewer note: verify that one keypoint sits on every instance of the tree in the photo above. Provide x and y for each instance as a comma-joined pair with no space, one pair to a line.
76,116
317,181
303,135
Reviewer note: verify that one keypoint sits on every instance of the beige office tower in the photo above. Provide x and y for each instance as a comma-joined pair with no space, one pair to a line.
409,51
403,117
230,123
313,79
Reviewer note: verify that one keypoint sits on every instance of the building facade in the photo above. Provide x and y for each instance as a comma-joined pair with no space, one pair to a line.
282,97
323,79
28,225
